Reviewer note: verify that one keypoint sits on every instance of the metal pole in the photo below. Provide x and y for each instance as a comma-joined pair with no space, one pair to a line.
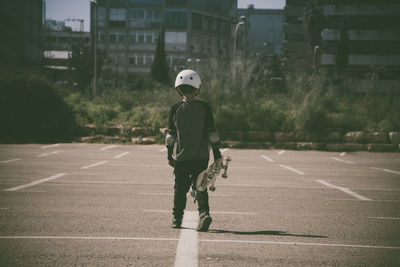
95,51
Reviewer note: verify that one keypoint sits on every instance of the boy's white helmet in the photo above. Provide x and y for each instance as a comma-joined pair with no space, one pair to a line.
188,77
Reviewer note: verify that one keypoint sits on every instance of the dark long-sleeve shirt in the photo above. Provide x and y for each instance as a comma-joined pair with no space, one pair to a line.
191,122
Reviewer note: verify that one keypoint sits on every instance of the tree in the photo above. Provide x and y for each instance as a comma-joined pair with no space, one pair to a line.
159,69
81,63
314,21
342,52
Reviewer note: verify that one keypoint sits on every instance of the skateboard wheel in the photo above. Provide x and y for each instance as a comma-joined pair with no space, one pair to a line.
212,188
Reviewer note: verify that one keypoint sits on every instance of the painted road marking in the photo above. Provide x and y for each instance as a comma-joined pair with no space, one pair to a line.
384,218
171,194
281,152
10,160
50,153
187,251
352,199
264,242
345,190
386,170
267,158
342,154
157,194
224,150
163,150
121,155
36,182
50,146
291,169
213,212
107,147
295,243
341,160
94,165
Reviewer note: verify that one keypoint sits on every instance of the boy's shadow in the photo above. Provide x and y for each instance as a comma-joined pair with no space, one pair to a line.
281,233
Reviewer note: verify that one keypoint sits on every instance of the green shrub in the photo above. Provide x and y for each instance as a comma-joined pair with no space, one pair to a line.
32,111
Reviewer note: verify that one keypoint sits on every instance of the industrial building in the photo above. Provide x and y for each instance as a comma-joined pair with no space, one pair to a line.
128,30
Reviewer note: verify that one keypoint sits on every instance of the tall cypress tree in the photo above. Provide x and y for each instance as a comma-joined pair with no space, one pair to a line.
342,52
159,69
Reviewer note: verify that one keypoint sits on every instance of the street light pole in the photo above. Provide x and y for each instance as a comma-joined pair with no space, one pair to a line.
315,58
95,48
235,44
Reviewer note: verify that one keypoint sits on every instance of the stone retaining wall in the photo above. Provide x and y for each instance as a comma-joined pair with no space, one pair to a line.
332,141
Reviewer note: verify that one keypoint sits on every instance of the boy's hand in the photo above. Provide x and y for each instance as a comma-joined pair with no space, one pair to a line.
171,163
218,162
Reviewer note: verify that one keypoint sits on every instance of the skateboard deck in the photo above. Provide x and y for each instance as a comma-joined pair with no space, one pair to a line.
206,178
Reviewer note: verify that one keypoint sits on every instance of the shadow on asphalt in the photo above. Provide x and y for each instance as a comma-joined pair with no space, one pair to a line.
263,233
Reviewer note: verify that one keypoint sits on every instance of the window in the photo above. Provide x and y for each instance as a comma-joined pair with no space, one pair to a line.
140,60
102,16
113,37
175,19
121,37
176,2
117,14
196,21
140,38
132,37
137,14
149,37
132,60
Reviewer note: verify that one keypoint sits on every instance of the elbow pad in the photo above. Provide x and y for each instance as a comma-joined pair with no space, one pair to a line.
213,138
170,140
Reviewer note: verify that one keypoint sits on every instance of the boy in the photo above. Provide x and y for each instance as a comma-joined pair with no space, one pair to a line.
191,131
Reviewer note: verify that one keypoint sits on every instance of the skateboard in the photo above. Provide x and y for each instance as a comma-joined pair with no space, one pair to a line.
206,178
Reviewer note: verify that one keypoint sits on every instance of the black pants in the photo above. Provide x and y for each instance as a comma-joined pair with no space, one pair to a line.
186,173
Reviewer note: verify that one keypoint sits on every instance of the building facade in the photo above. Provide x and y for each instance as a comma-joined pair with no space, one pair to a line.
59,41
373,33
128,30
264,30
295,36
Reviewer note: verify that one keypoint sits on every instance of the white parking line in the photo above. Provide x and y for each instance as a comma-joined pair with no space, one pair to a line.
107,147
291,169
261,242
121,155
50,153
187,251
10,160
36,182
93,165
267,158
345,190
390,171
341,160
295,243
342,154
50,146
281,152
384,218
212,212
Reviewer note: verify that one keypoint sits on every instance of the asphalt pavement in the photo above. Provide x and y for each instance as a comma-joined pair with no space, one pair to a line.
110,205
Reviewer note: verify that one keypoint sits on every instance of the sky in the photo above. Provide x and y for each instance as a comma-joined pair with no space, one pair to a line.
79,9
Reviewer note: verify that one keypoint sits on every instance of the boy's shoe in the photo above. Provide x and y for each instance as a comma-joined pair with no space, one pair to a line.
176,223
204,223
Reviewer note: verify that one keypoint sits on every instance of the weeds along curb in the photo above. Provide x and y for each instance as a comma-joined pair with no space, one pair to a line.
333,141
